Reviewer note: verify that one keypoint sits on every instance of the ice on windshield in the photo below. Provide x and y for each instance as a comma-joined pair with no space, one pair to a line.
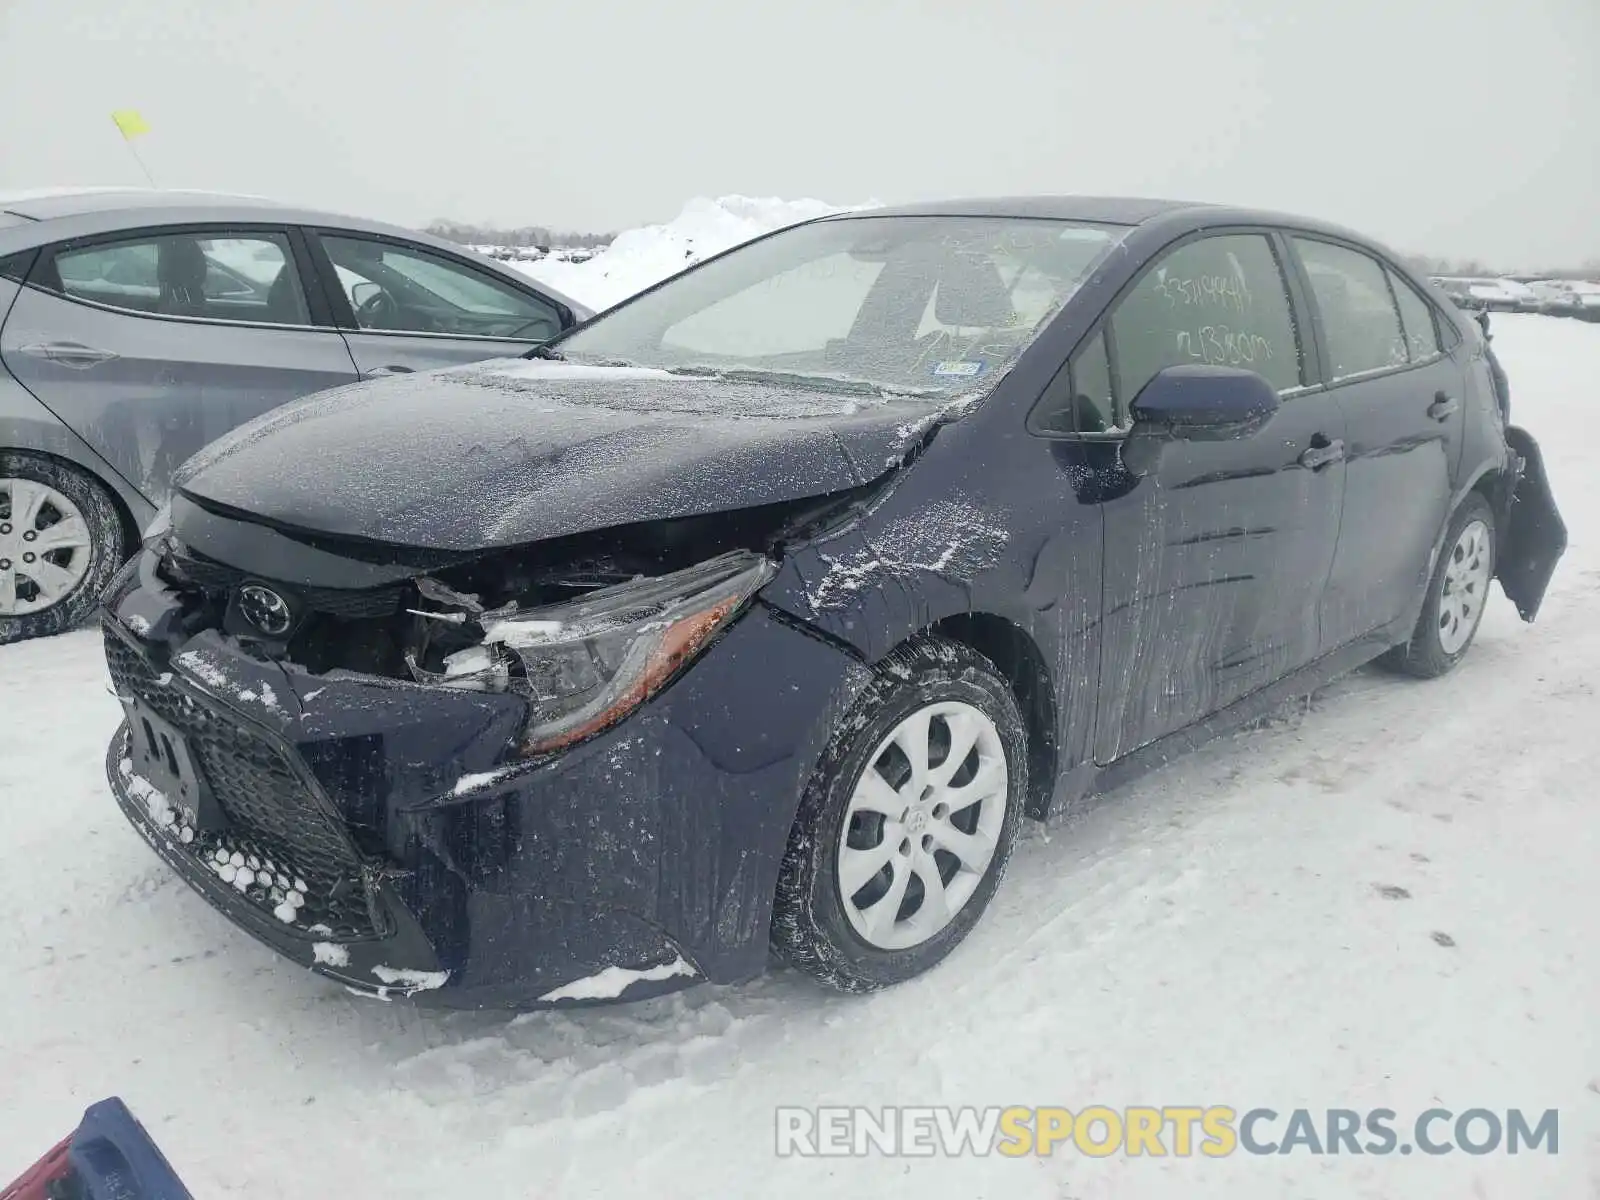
908,304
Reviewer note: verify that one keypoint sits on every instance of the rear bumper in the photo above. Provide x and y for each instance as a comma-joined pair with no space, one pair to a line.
633,864
1533,537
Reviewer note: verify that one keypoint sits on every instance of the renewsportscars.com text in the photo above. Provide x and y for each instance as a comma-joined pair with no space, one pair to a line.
1214,1131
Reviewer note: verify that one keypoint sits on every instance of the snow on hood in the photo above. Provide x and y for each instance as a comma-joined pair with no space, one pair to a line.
641,257
515,451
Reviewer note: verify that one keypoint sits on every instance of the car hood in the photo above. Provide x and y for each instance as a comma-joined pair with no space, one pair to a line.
514,451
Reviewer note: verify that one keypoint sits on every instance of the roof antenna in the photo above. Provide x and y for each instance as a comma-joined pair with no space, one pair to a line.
133,126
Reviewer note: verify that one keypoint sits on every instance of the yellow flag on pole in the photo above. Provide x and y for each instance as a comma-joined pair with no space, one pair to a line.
130,122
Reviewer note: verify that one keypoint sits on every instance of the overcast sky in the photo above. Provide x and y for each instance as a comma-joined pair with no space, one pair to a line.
1458,127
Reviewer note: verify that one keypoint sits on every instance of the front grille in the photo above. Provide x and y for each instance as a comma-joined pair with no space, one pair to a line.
271,814
182,566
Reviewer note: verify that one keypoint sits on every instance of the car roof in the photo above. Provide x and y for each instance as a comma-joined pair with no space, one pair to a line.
1173,216
46,204
94,210
1111,210
53,214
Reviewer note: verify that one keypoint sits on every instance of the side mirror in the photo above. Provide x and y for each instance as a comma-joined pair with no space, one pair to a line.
362,292
1195,402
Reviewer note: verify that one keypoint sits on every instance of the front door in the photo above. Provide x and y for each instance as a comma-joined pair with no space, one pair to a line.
1215,561
151,345
410,309
1404,401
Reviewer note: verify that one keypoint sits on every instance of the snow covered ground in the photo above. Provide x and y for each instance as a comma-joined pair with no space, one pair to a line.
1220,933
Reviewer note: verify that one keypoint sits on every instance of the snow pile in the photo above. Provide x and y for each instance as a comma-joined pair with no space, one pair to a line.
422,981
331,954
641,257
613,981
155,801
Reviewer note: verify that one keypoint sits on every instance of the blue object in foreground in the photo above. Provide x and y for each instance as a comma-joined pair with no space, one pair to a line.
108,1157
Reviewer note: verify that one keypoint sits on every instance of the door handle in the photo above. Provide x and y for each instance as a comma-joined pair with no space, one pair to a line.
68,354
1443,407
380,372
1321,452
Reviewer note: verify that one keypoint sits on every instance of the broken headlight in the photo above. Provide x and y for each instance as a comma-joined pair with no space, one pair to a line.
589,662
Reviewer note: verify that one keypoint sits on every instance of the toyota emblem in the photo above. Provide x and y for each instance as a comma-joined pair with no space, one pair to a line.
265,609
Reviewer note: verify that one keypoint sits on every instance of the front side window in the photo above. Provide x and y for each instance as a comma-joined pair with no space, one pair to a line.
1416,318
1359,317
911,305
233,277
405,289
1218,300
1080,399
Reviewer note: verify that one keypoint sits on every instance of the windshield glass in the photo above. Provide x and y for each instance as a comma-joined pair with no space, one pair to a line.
917,305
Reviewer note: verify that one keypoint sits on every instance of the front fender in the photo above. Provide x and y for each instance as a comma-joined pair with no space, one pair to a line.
898,569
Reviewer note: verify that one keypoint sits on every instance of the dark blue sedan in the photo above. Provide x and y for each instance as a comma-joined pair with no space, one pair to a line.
760,610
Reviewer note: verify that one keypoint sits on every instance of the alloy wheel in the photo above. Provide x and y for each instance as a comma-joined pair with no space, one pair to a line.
922,825
1465,587
45,547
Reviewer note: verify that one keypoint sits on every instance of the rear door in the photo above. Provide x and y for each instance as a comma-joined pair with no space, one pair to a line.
405,307
1215,562
151,344
1404,403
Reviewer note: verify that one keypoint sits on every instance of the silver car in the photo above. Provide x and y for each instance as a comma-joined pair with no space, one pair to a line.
136,326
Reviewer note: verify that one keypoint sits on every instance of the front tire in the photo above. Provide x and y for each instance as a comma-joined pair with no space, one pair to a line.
907,824
1457,594
61,540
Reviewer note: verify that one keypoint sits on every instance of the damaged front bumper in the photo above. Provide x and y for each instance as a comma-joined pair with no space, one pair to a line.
311,895
388,835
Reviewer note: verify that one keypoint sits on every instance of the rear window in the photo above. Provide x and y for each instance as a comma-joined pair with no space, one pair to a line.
226,276
1359,316
16,267
1417,320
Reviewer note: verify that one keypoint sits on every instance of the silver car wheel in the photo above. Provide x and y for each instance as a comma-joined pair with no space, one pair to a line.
913,852
45,547
1465,587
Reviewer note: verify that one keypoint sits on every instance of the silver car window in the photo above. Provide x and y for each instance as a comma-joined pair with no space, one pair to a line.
226,276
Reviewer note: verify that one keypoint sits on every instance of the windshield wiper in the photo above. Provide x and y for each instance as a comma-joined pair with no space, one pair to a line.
543,351
848,384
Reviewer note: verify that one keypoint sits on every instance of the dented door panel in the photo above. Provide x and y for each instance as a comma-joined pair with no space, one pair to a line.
157,390
1215,568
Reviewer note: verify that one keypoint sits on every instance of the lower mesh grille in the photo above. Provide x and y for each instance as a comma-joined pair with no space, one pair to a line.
272,817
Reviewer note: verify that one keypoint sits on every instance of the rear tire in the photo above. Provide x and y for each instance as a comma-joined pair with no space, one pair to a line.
1457,594
898,846
61,540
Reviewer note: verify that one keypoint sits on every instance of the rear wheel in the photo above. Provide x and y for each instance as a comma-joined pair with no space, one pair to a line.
61,540
907,824
1457,594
